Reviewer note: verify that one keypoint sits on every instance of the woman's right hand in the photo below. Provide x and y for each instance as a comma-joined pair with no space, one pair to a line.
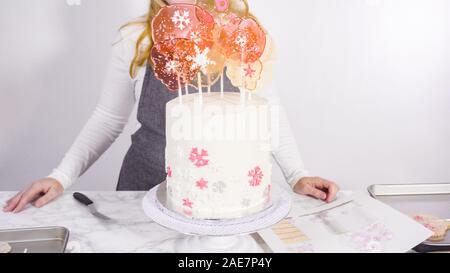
40,193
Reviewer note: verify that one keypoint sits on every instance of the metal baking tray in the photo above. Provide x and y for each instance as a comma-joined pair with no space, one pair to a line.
36,240
431,199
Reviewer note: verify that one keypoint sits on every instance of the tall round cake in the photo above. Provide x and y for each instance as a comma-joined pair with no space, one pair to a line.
218,156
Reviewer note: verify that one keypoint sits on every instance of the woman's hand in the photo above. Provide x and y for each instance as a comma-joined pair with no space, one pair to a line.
317,187
40,193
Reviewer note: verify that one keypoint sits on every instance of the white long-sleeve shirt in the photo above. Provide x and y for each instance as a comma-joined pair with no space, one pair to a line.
118,98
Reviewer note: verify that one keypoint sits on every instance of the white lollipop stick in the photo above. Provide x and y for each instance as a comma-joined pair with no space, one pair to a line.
243,86
200,91
242,78
180,92
186,89
209,84
221,85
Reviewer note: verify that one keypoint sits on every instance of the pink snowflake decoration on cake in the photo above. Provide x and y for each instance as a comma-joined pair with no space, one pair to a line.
256,176
202,184
187,203
169,172
199,158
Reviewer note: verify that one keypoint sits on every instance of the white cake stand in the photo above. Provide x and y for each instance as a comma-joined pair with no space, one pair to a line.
217,236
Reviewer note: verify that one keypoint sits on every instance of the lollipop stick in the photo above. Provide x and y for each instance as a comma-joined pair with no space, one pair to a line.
186,89
243,85
221,85
242,78
180,93
209,84
249,95
200,91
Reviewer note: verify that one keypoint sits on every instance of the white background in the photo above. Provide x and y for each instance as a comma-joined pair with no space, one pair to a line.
366,85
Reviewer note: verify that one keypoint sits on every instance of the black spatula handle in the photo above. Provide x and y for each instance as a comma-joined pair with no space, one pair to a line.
83,199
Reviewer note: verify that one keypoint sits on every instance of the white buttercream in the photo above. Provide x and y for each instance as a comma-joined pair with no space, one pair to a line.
236,139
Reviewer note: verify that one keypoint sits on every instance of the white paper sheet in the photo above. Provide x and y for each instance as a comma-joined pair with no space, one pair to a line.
304,205
353,223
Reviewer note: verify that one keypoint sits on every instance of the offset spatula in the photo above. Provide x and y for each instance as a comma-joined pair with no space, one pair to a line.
83,199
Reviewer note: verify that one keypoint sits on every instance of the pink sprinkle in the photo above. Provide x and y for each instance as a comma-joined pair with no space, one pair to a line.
202,184
187,203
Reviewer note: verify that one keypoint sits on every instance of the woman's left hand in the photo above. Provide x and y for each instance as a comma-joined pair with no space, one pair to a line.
317,187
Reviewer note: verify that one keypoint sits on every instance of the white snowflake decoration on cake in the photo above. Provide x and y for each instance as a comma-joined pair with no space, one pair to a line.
185,174
219,187
245,203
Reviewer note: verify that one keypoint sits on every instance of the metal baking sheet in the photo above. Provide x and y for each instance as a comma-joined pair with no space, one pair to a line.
36,240
431,199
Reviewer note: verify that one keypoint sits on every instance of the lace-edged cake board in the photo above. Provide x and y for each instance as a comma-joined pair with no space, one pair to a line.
215,235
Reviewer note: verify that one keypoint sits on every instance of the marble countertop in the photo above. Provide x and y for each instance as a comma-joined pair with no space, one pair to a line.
134,232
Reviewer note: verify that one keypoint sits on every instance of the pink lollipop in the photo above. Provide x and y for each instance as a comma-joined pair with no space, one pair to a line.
184,21
242,39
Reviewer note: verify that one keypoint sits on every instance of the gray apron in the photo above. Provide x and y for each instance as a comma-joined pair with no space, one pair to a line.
144,164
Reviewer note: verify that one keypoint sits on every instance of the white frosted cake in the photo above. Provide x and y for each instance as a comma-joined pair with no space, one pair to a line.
218,156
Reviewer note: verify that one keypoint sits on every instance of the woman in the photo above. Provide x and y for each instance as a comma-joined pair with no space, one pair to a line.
131,78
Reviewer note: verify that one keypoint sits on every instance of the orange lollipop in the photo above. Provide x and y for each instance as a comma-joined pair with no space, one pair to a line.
184,21
174,63
184,36
242,39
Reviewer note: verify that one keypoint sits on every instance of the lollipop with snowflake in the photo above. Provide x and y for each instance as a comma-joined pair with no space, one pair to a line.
243,42
184,21
183,37
194,43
